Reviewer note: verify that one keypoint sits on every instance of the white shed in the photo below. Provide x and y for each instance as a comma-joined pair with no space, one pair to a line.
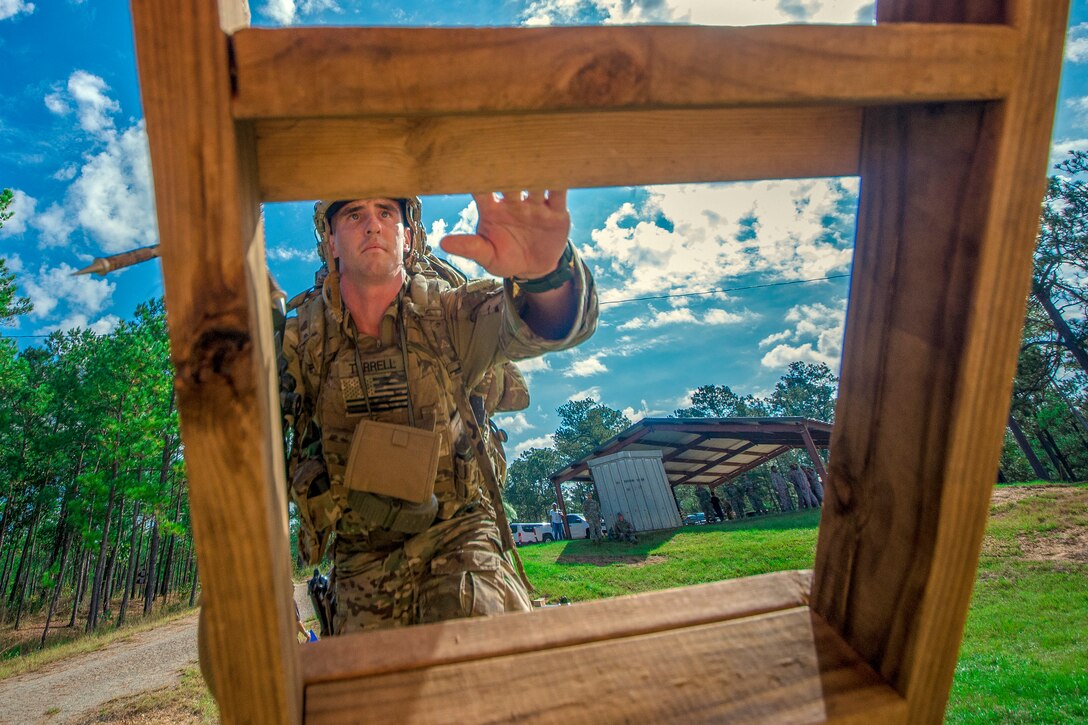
634,483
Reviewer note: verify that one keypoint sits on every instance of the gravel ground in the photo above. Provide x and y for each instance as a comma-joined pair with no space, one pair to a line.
69,688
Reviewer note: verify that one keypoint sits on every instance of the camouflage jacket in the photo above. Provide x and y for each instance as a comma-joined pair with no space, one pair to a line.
454,336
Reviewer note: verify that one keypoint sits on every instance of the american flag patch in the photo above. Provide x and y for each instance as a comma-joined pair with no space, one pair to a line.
386,385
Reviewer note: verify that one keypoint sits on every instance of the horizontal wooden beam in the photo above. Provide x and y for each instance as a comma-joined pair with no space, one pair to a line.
354,158
782,666
352,72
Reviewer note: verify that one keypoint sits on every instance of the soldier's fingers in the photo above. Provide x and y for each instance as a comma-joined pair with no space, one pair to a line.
484,200
557,198
536,196
472,246
511,195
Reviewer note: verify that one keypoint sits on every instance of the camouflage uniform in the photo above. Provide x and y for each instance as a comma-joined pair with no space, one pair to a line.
592,511
389,570
799,480
735,494
751,488
814,483
778,483
624,531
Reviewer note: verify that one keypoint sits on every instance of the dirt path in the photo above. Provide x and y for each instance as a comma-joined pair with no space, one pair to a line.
66,689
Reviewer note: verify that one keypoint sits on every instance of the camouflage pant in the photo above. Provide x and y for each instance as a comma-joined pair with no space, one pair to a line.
595,528
454,569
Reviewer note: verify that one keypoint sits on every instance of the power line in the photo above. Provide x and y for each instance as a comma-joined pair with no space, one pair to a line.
724,289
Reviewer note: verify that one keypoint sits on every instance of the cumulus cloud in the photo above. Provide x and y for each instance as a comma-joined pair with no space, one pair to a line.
54,226
696,236
102,326
93,105
1076,44
684,315
817,333
547,441
585,367
287,12
643,412
702,12
11,8
22,210
593,393
516,423
292,254
84,295
533,365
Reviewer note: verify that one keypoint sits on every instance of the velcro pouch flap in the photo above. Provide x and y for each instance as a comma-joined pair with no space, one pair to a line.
393,460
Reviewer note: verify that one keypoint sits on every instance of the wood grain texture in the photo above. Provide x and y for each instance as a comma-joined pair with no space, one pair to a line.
949,208
342,72
463,640
352,158
782,667
220,337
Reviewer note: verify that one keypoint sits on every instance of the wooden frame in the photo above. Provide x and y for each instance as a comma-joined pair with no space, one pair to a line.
944,109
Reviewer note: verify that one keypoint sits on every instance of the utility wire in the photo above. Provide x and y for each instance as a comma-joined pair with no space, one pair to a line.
723,289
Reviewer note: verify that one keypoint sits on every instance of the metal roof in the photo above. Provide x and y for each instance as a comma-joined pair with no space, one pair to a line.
707,451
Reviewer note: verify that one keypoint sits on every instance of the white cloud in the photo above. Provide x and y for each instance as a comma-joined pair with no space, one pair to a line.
112,196
465,224
53,226
820,326
684,315
593,393
516,423
533,365
547,441
93,106
643,412
787,229
292,254
56,104
11,8
1076,44
22,210
66,173
585,367
1059,150
701,12
84,295
287,12
102,326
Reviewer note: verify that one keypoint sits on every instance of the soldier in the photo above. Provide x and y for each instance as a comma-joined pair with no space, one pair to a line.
815,484
751,489
622,530
592,511
716,504
735,495
778,482
797,477
388,452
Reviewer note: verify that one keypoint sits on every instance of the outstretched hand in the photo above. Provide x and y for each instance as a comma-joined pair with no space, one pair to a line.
517,235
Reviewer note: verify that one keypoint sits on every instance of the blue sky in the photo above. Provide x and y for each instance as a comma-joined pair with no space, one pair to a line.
73,147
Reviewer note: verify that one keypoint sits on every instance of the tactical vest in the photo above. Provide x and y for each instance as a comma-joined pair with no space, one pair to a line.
330,380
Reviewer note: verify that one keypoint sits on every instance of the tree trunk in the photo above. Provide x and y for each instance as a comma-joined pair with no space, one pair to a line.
1029,453
1065,472
56,589
24,563
139,552
100,563
112,563
1062,327
195,579
152,560
4,519
133,558
81,579
22,586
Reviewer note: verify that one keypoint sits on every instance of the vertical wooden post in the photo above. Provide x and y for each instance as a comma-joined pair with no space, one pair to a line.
814,454
218,310
949,208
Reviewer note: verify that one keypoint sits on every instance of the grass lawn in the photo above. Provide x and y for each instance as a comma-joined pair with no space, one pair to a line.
1024,657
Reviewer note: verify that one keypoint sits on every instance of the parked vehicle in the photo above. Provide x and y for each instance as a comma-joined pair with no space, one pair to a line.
529,533
696,519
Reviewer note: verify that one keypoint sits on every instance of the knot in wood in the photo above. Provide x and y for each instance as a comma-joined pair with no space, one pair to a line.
215,357
612,77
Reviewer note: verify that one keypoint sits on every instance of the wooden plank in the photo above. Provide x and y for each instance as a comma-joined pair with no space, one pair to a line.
929,356
386,651
349,158
351,72
220,337
783,667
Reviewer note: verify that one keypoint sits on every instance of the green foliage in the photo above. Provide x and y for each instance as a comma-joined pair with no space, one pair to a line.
11,305
528,486
719,401
584,425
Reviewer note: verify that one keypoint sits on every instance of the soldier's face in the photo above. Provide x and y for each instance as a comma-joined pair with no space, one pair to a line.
368,239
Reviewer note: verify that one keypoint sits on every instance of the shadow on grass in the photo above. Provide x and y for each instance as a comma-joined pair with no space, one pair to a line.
806,519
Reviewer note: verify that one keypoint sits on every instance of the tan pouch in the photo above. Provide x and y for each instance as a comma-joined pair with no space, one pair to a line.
393,460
